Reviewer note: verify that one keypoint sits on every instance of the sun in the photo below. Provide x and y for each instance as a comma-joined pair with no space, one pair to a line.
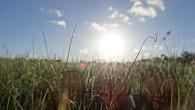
111,45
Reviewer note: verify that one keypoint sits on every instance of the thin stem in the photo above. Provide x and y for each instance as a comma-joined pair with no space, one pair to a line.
133,64
44,38
33,47
69,48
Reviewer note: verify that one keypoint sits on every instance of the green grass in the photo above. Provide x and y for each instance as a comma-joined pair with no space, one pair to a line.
32,84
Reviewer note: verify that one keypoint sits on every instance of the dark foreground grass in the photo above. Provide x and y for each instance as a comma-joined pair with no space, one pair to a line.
32,84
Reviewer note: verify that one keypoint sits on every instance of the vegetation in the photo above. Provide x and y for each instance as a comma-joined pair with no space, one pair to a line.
154,84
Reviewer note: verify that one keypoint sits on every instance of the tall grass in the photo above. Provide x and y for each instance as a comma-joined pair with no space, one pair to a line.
150,84
46,84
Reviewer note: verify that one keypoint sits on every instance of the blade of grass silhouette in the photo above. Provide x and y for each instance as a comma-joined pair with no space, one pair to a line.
33,47
69,48
132,65
155,38
45,42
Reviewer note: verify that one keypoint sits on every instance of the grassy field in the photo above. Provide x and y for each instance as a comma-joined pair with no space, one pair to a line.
152,84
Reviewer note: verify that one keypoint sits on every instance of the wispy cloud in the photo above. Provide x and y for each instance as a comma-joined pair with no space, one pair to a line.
157,3
138,9
101,27
142,19
54,12
146,8
61,23
122,16
96,26
141,9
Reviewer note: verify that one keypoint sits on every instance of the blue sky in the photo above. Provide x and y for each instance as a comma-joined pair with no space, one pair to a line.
21,22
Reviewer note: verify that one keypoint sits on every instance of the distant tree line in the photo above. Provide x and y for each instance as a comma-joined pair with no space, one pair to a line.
185,57
188,57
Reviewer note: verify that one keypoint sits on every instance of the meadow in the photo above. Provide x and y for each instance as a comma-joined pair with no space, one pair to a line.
151,84
97,55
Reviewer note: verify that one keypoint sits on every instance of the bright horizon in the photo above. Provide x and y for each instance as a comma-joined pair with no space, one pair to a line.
107,29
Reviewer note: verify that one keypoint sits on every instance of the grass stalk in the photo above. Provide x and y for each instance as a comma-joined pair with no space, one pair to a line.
45,42
70,44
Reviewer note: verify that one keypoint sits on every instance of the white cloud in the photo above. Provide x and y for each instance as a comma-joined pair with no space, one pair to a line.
146,8
102,27
114,25
55,12
137,3
157,3
138,9
126,19
116,14
58,23
96,26
142,19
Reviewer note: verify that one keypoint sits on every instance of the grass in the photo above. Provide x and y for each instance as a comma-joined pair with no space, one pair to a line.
147,84
31,84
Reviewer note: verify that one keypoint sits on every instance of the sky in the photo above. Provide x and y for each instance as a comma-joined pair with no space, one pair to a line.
21,22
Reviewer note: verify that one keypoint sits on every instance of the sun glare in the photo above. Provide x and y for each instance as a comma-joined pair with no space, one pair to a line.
111,45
